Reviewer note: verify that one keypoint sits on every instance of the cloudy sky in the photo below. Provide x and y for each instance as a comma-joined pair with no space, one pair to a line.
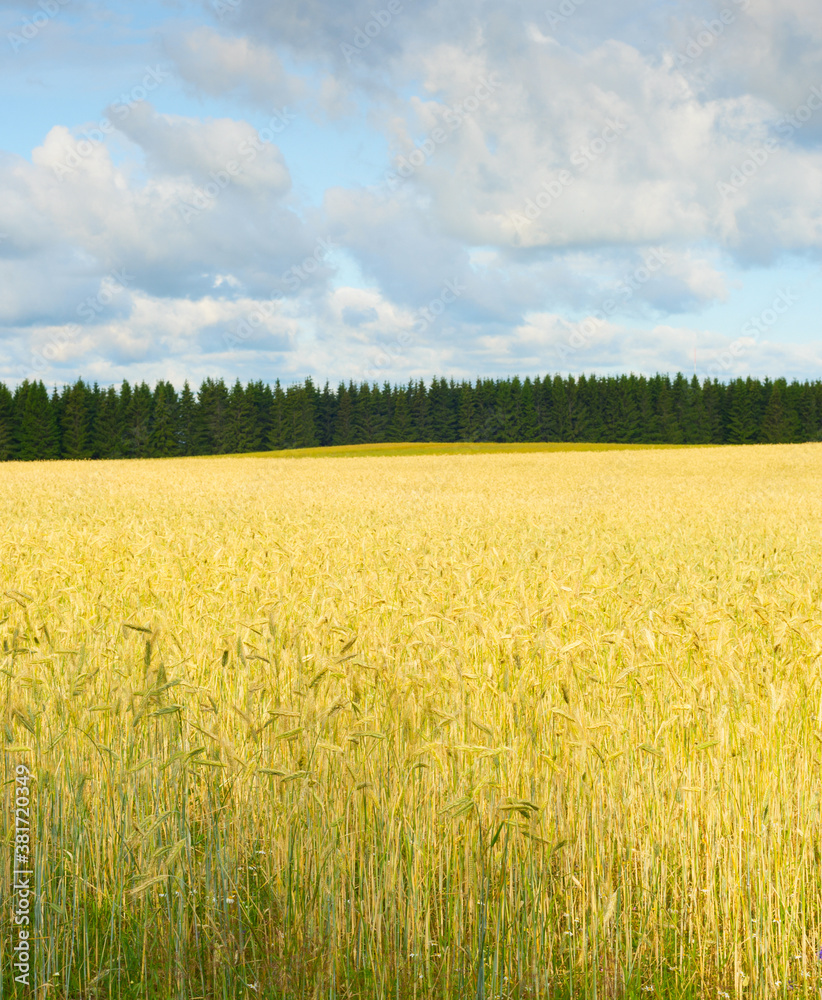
360,189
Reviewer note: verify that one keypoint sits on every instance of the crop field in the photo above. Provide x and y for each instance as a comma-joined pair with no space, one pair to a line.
448,726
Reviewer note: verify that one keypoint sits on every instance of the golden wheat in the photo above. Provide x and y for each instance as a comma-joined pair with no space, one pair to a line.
488,725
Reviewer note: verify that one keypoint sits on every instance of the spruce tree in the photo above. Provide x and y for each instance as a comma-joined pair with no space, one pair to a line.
137,423
299,417
776,427
578,417
187,422
277,429
7,446
362,417
529,424
742,427
108,430
468,423
343,423
589,424
441,418
670,431
501,423
692,409
260,398
37,426
213,399
238,432
385,413
558,418
74,421
401,429
165,436
807,414
418,411
326,415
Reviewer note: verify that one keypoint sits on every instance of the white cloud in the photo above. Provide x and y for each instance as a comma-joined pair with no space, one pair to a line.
218,65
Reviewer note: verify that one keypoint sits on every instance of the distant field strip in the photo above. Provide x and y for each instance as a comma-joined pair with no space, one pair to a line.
457,448
537,724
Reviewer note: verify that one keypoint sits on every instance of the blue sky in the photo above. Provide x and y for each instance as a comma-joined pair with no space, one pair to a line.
351,190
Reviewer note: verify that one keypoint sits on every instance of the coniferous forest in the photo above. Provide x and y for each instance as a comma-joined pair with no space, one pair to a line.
87,421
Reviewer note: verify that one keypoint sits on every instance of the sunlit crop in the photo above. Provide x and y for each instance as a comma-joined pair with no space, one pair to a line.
520,725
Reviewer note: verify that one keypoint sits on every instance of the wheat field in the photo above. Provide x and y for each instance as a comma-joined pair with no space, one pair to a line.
511,725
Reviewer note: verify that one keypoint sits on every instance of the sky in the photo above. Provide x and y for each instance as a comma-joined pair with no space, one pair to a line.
386,190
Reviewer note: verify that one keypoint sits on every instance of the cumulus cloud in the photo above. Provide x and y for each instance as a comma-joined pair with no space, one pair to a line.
193,200
218,65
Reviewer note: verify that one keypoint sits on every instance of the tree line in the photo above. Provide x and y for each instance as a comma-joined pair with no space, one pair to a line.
136,421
